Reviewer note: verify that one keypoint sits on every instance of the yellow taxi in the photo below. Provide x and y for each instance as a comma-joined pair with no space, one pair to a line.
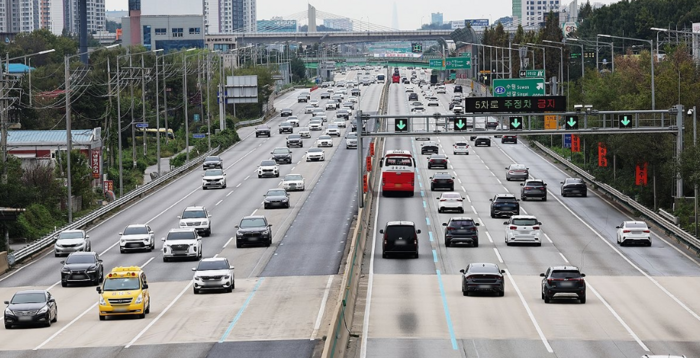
124,292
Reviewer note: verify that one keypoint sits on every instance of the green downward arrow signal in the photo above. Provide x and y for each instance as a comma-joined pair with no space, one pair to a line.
516,123
571,122
460,124
401,125
625,122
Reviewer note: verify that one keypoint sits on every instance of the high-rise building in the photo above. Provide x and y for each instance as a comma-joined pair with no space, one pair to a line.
19,15
51,16
338,24
517,11
534,12
436,18
95,16
227,16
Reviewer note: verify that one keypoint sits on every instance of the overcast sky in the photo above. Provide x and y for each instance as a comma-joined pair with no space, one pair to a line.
411,13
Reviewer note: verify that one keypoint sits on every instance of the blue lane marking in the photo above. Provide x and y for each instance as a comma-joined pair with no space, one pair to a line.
240,311
447,312
424,206
421,184
434,256
422,193
427,220
431,235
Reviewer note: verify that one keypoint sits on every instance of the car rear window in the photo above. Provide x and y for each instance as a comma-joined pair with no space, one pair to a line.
460,144
524,222
400,231
451,196
483,269
535,183
518,167
505,199
461,223
636,225
565,274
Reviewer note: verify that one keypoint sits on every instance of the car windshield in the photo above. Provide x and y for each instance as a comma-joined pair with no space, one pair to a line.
505,199
70,235
461,223
293,177
34,297
460,144
324,137
212,265
122,284
304,129
212,159
193,214
491,269
213,172
135,230
276,192
280,151
267,163
315,150
180,236
352,135
566,274
80,259
635,225
252,222
524,222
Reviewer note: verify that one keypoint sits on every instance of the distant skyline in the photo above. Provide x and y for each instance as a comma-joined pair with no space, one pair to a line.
411,13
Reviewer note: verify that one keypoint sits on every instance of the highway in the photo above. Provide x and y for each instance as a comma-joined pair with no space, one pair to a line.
281,297
641,300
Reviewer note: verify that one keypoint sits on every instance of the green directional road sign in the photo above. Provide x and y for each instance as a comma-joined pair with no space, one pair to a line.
516,123
518,87
571,122
465,54
460,124
625,121
458,63
437,62
401,125
531,73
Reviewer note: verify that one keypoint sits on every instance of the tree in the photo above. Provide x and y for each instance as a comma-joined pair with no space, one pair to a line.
298,70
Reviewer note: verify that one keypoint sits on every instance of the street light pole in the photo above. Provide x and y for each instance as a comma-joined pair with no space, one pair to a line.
184,103
561,63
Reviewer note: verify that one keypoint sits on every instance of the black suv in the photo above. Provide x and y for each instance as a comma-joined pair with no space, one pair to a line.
458,89
442,180
82,267
413,96
342,113
400,237
565,280
286,127
282,155
461,229
574,186
262,130
213,163
534,188
429,147
253,230
483,277
294,140
504,205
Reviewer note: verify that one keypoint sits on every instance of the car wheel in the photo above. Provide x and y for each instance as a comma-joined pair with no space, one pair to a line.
542,293
465,293
265,206
384,255
461,210
153,246
233,285
55,316
195,290
522,198
239,244
539,244
259,176
501,293
439,210
121,251
148,308
493,216
448,243
544,199
142,316
476,243
547,299
582,299
102,318
287,205
563,194
432,188
48,322
507,179
268,243
64,284
507,243
55,254
452,188
165,259
584,195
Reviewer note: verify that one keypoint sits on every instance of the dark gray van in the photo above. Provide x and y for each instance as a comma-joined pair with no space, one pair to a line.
400,237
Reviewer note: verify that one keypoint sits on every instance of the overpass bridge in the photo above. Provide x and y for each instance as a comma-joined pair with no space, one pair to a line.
338,37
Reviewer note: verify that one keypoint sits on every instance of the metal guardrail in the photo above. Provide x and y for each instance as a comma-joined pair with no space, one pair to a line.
42,243
668,216
247,123
691,241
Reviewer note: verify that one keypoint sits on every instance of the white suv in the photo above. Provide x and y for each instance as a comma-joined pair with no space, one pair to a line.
137,237
450,201
523,229
182,243
197,218
268,168
213,273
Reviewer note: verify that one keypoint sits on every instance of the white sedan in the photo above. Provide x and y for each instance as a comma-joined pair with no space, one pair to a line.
308,109
450,201
315,125
304,132
324,141
294,120
523,229
330,106
293,182
461,148
314,102
632,232
333,130
433,102
340,122
316,154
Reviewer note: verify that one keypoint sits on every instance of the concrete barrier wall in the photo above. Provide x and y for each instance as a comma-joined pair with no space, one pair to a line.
4,265
337,338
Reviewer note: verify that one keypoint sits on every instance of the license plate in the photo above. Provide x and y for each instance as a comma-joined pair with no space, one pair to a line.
78,277
397,185
25,318
121,309
484,286
400,243
566,284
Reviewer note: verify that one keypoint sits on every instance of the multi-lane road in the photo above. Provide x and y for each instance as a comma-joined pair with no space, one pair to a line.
641,300
282,292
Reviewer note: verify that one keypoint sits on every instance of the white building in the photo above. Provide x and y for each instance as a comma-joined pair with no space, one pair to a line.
534,12
19,15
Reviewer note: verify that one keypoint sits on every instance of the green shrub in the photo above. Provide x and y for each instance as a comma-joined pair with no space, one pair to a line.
37,221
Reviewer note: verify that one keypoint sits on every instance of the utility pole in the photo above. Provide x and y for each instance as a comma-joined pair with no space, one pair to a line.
184,103
143,103
69,139
119,131
133,129
165,101
208,105
158,120
3,120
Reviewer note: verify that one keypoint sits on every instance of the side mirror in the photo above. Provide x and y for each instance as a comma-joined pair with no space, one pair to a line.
490,199
99,260
231,267
539,223
418,231
145,286
561,182
224,174
194,269
98,289
521,184
617,227
444,224
121,233
476,224
583,275
209,215
179,217
505,223
503,271
542,275
462,270
381,231
162,239
269,225
87,236
236,226
506,167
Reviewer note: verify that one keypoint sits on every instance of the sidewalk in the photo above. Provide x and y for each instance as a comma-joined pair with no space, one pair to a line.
164,167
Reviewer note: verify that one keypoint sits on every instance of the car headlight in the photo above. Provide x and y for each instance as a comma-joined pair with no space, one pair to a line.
139,298
205,222
65,270
8,312
43,310
227,277
197,278
92,269
285,200
267,200
182,223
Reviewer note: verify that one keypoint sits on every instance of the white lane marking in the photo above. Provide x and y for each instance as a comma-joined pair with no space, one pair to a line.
619,319
523,210
370,282
465,190
656,283
469,199
239,184
246,178
499,181
227,242
458,179
76,318
529,313
229,193
500,259
171,206
159,316
489,236
474,210
255,211
548,239
562,256
321,310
